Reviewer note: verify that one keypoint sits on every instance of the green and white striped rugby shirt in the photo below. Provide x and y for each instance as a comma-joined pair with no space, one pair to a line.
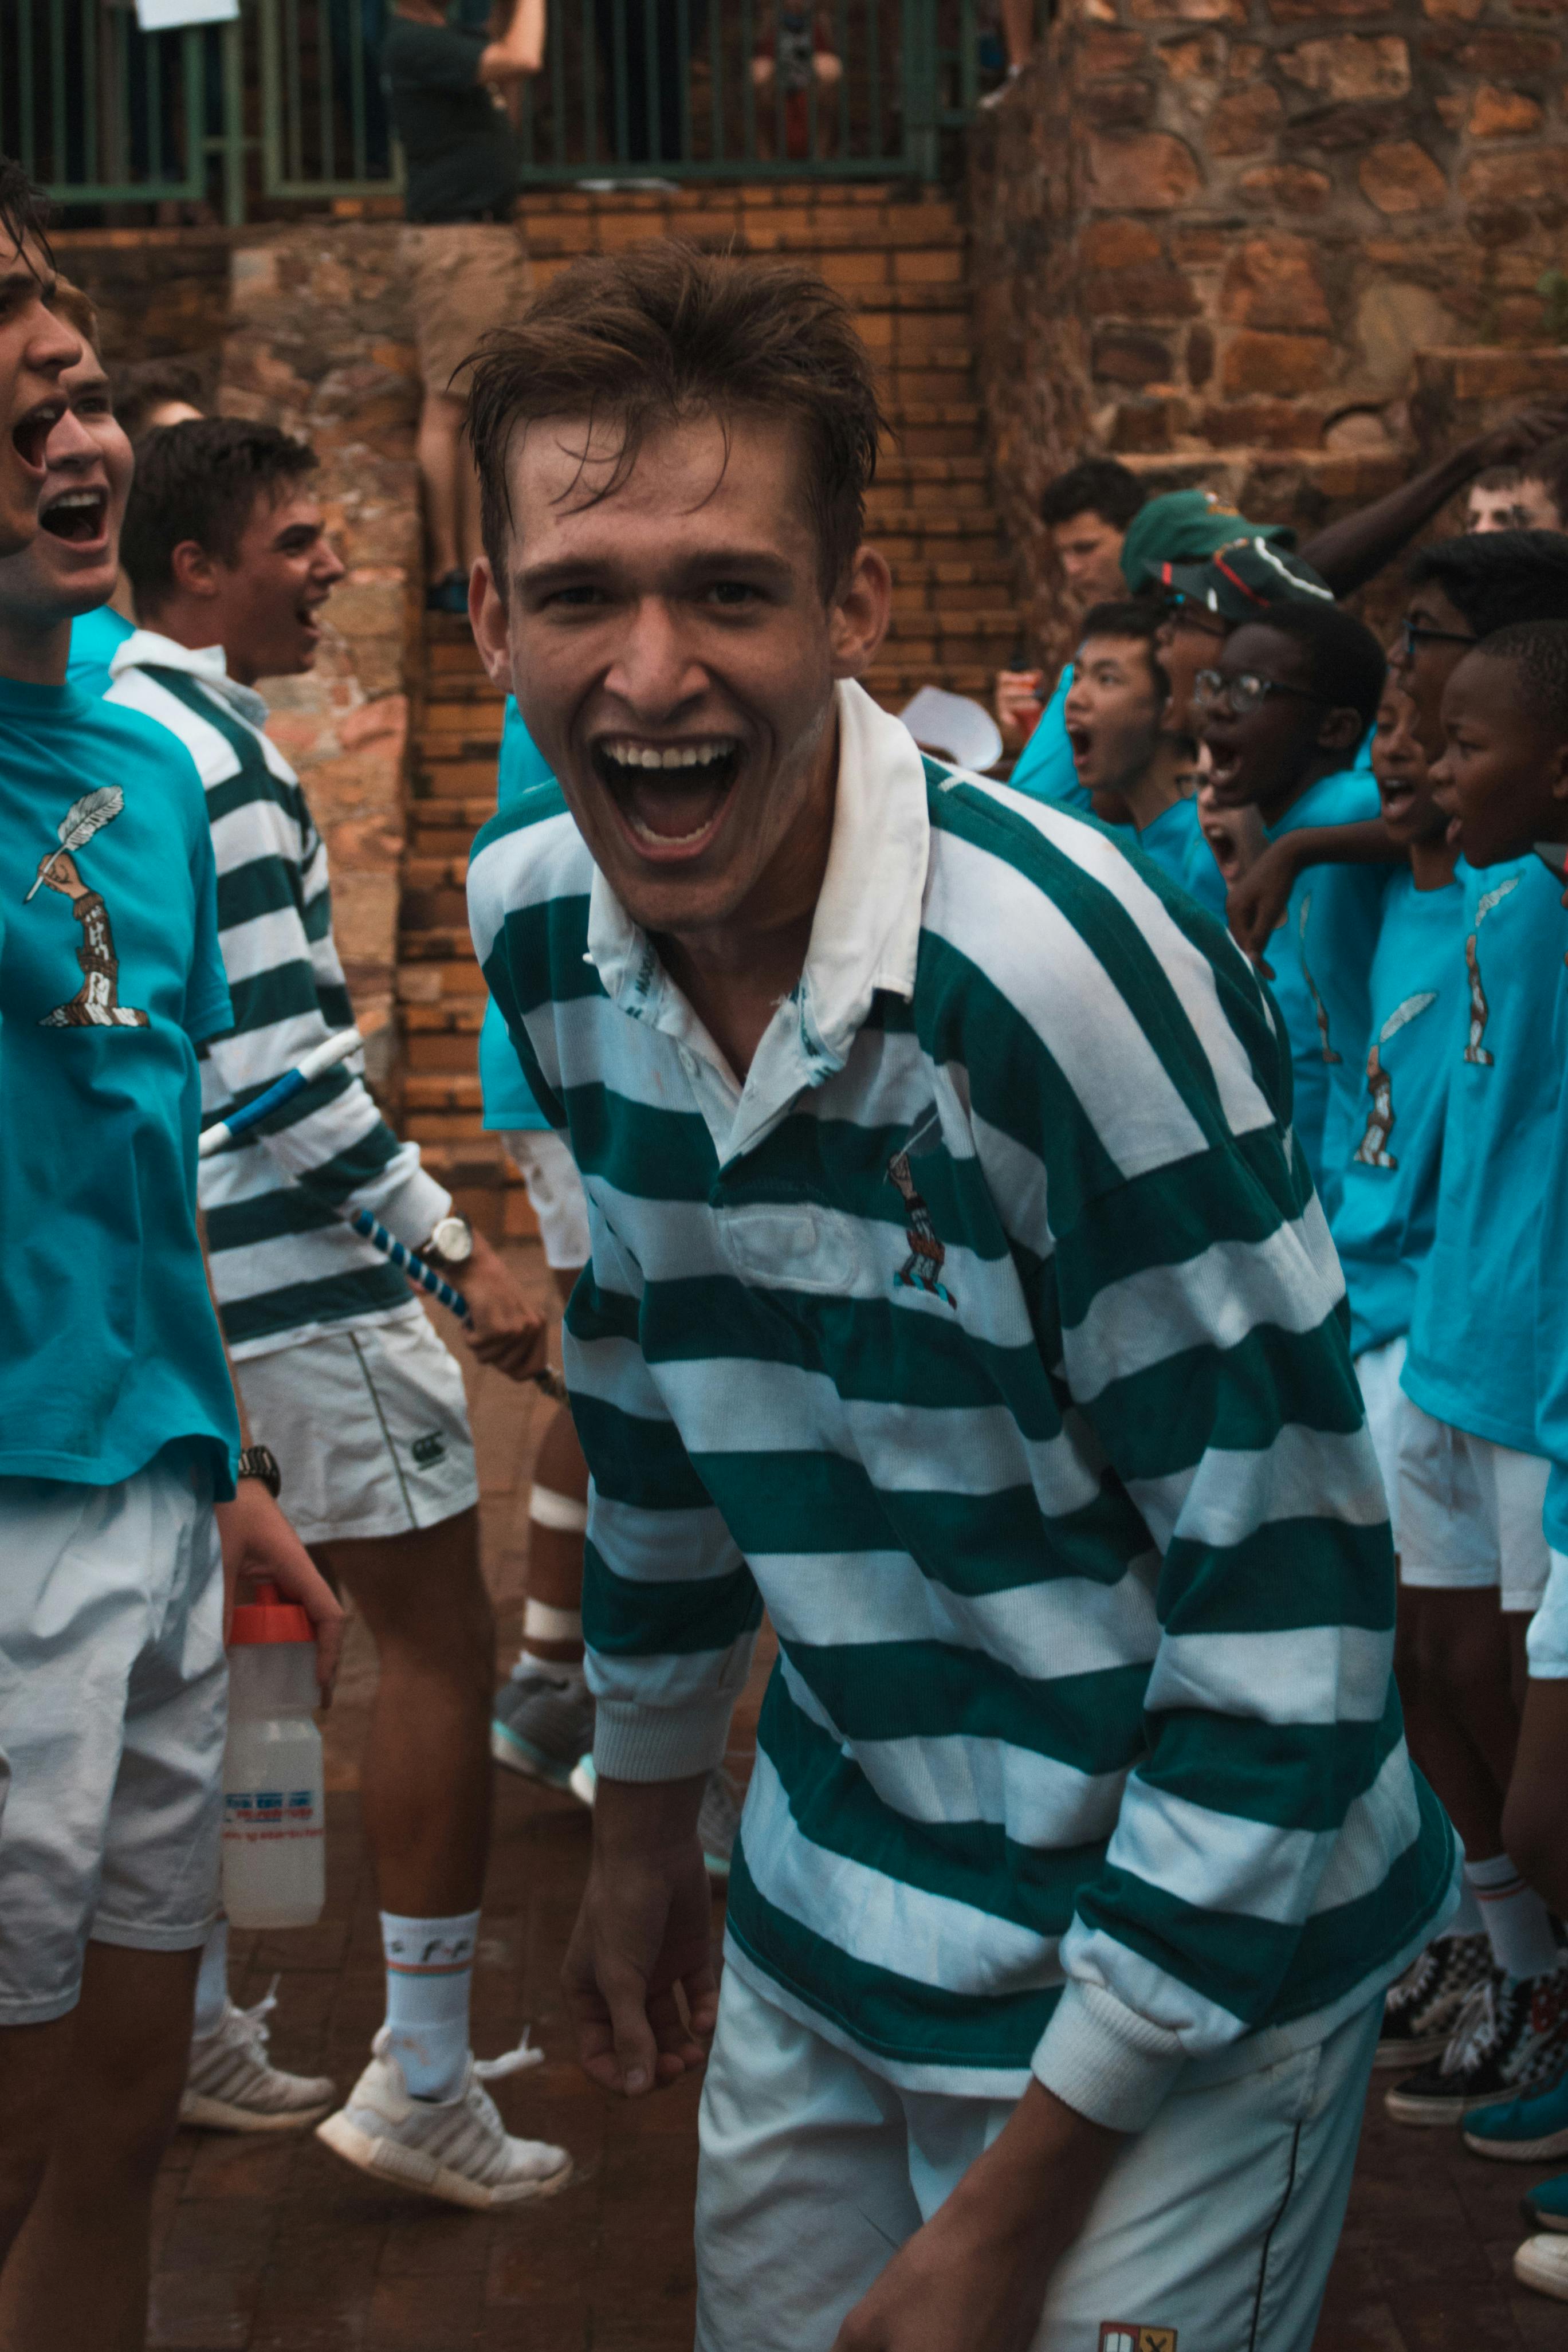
992,1337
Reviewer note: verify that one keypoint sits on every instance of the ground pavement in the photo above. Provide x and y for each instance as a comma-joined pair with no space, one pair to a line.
276,2246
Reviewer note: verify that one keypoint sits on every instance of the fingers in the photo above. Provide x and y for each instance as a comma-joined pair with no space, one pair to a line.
700,1986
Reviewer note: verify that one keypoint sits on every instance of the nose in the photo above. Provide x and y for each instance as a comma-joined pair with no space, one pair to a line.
52,347
652,672
70,443
329,566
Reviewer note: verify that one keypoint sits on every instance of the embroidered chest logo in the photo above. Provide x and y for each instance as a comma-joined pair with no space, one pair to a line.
1318,1007
96,1005
1373,1150
1115,2336
1480,1011
922,1269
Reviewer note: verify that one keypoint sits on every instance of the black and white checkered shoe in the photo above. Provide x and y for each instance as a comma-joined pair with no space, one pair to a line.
1422,2009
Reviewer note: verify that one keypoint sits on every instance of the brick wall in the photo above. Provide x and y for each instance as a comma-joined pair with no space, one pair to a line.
1211,235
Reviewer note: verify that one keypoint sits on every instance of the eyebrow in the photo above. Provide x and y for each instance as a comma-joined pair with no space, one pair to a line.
21,275
569,570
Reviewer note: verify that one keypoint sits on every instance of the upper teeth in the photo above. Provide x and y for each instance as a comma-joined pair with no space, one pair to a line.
76,498
668,755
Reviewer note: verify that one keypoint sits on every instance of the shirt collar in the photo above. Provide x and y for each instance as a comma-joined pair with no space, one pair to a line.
148,649
866,931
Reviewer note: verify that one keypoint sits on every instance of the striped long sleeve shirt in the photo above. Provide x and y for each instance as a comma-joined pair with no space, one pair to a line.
991,1336
285,1264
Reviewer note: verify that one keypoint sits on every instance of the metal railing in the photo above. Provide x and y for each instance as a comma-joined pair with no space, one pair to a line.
288,105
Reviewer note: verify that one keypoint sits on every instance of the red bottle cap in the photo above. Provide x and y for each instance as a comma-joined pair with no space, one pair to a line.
268,1617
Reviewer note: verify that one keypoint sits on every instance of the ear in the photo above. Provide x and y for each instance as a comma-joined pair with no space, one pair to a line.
196,574
1341,731
488,619
859,615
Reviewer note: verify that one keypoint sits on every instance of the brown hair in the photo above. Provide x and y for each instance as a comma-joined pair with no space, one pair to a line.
663,332
77,311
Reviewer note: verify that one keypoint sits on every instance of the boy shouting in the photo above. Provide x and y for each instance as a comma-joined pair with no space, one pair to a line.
956,1293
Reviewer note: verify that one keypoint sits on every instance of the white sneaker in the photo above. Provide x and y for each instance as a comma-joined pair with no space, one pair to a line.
232,2085
1542,2263
457,2148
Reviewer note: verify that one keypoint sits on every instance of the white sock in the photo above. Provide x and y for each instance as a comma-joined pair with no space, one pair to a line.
430,1976
1466,1920
213,1983
1514,1916
543,1623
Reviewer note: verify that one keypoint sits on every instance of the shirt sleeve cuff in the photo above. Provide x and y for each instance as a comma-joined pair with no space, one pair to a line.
413,1213
657,1743
1105,2062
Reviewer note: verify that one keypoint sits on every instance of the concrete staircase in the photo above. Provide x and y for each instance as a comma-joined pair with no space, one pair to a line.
900,263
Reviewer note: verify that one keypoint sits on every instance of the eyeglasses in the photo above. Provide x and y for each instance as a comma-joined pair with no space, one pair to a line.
1245,694
1414,633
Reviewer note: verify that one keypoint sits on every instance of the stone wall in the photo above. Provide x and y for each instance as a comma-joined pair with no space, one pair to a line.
318,343
1211,235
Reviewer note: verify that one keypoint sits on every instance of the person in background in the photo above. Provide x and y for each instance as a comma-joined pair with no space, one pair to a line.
1383,1230
1542,500
339,1367
1289,699
1085,512
148,393
1493,501
461,254
794,55
1138,774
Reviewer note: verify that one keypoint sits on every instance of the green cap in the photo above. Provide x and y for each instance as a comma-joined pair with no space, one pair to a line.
1242,581
1187,527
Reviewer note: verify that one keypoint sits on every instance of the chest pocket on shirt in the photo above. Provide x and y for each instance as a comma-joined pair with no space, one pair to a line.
793,1246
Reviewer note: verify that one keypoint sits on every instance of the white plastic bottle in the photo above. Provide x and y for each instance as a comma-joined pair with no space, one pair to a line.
275,1813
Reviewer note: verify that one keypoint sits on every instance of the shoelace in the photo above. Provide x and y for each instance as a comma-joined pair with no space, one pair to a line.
510,2062
1413,1990
252,2022
1475,2031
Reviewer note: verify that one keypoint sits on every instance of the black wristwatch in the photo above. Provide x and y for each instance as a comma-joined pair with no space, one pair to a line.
260,1461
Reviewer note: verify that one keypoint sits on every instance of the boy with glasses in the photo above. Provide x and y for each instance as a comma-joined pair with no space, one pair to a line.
1283,710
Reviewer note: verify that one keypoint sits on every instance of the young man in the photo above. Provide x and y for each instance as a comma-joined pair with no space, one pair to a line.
461,254
341,1371
1542,500
142,398
1067,1553
1383,1230
120,1519
1507,782
1085,512
1137,774
1285,706
1493,502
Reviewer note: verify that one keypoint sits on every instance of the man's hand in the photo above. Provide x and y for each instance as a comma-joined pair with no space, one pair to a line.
1518,436
257,1540
506,1331
1018,704
1256,902
644,1930
975,2278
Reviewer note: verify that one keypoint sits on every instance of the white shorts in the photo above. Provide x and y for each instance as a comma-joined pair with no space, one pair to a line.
370,1427
1378,1370
1217,2224
1469,1512
1547,1640
113,1709
555,1188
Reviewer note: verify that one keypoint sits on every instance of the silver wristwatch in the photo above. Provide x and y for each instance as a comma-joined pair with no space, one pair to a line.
453,1240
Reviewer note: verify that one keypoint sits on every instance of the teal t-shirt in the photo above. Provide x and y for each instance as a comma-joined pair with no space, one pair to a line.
1322,959
1175,843
110,977
1044,769
509,1105
1473,1331
1387,1212
96,637
1552,1295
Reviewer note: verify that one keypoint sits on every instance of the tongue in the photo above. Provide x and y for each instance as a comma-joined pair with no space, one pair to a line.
673,810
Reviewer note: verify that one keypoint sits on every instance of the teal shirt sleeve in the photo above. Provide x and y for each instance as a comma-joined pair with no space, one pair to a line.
96,637
509,1105
1045,768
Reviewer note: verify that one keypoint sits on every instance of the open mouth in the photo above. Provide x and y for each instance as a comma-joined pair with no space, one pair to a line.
30,437
1397,798
79,517
669,797
1082,740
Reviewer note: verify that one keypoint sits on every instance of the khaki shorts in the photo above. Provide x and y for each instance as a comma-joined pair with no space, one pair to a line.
465,278
370,1427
